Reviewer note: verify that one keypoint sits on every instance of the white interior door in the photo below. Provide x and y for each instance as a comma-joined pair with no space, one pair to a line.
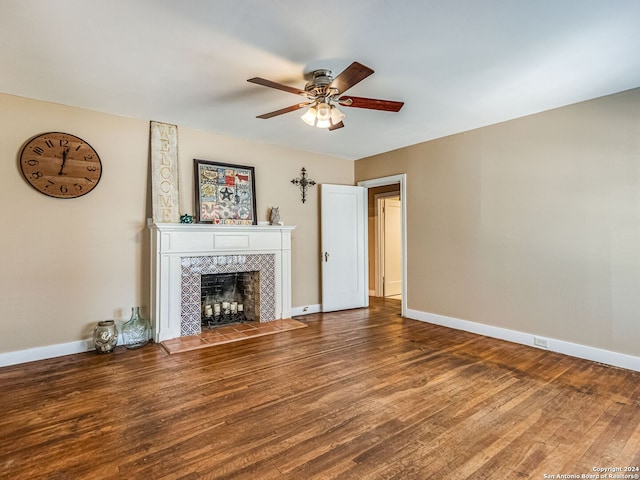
392,248
344,267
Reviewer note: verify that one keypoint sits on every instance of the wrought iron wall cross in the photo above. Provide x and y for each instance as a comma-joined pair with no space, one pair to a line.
303,183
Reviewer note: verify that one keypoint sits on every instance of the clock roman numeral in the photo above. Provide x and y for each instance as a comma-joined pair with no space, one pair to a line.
49,143
38,150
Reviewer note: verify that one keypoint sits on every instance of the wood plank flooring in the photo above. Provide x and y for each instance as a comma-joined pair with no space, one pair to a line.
360,394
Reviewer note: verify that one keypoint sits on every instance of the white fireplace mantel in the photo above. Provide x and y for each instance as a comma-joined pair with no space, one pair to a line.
170,242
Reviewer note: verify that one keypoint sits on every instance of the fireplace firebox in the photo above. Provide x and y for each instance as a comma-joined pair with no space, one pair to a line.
229,298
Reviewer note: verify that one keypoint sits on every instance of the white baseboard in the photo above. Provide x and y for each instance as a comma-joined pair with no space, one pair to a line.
305,310
608,357
41,353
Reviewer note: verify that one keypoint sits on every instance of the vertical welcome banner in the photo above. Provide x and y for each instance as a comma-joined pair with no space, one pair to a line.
164,173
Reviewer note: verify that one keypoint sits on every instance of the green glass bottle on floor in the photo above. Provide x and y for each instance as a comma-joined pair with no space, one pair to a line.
136,332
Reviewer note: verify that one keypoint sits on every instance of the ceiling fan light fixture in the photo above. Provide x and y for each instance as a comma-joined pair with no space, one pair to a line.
336,115
324,112
309,117
322,116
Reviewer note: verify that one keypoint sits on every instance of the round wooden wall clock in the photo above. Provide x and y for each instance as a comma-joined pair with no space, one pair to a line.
60,165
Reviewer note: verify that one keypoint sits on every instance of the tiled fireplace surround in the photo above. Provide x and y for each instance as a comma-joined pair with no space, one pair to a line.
181,253
194,267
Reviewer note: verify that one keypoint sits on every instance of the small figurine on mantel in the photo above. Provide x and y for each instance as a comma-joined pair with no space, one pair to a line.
274,216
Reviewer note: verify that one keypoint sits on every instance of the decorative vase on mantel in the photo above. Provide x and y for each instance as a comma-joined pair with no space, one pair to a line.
105,336
136,332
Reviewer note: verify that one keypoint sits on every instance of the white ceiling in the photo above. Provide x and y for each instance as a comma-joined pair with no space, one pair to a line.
457,64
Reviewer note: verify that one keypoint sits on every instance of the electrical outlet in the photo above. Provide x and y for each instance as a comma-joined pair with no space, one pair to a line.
541,342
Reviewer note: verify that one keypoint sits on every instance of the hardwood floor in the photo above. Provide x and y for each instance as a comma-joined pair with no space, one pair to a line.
361,394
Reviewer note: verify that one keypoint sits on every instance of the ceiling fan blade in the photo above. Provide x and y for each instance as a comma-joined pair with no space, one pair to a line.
354,73
268,83
336,126
292,108
370,103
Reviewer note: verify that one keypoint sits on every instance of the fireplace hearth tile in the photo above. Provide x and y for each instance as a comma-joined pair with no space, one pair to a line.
229,334
245,326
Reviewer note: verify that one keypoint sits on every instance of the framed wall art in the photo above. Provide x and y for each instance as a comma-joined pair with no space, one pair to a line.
225,193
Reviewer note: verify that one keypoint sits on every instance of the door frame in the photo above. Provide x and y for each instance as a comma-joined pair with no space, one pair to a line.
378,229
379,182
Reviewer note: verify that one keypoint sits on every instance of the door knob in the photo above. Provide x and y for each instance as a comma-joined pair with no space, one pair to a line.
326,256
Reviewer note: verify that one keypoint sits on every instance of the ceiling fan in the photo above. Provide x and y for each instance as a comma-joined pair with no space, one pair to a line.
324,92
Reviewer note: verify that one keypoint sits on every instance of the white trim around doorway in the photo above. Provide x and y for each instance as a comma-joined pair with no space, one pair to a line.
390,180
377,200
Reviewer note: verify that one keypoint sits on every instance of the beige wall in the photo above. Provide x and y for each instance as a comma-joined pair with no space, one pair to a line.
66,264
531,225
